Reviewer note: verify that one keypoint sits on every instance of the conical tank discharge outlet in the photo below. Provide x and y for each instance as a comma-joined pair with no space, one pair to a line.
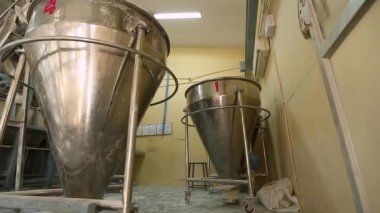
220,128
84,88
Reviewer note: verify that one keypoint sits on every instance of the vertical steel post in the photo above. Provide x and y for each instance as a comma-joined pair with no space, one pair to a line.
209,164
262,131
22,129
133,122
251,180
11,96
187,157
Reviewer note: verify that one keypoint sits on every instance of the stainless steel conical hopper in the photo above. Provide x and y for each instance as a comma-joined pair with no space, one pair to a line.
84,88
212,105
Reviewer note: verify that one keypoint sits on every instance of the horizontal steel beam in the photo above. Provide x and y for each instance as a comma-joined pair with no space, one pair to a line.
214,180
46,192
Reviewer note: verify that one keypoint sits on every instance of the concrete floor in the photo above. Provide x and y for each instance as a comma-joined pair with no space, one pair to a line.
171,200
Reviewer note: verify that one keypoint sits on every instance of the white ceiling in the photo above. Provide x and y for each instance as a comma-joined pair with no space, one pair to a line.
222,25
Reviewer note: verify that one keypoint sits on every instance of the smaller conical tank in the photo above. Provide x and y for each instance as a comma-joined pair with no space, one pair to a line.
220,129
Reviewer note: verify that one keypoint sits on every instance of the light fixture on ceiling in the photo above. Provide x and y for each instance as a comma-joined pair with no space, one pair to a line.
186,15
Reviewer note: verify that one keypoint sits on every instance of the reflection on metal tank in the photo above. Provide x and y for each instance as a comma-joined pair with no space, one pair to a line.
220,129
83,89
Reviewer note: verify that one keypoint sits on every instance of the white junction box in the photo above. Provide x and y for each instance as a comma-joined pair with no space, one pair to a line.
269,26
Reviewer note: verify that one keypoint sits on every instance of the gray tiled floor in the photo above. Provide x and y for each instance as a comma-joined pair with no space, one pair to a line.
171,200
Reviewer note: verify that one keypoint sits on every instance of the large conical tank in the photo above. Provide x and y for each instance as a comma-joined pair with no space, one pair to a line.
220,129
82,88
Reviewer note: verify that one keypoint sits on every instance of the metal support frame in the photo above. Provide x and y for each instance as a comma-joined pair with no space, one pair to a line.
325,48
83,205
187,160
11,95
133,123
262,130
251,182
21,134
250,178
8,26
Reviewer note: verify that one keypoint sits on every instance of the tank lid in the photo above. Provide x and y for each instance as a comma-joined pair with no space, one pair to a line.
223,79
146,14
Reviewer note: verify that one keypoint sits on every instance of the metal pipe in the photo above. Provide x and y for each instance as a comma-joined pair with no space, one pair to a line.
187,154
215,180
133,122
264,118
209,164
165,105
262,131
11,96
7,27
21,136
251,181
47,192
10,7
119,77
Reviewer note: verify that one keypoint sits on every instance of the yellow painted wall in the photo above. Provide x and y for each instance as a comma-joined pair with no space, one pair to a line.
163,163
304,140
357,71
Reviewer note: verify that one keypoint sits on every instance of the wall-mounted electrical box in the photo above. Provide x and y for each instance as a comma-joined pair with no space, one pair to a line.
261,62
269,26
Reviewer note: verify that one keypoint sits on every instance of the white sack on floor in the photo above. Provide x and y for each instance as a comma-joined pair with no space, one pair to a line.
277,196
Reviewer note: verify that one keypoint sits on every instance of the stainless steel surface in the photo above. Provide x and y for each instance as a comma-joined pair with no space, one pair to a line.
22,132
83,96
133,123
11,95
251,179
220,128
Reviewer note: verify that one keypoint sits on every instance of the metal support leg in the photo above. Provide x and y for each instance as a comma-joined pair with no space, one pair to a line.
251,180
11,96
21,137
187,160
265,154
208,164
8,185
50,170
133,122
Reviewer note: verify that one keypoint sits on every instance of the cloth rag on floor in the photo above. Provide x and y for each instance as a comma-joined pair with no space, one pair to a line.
277,196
